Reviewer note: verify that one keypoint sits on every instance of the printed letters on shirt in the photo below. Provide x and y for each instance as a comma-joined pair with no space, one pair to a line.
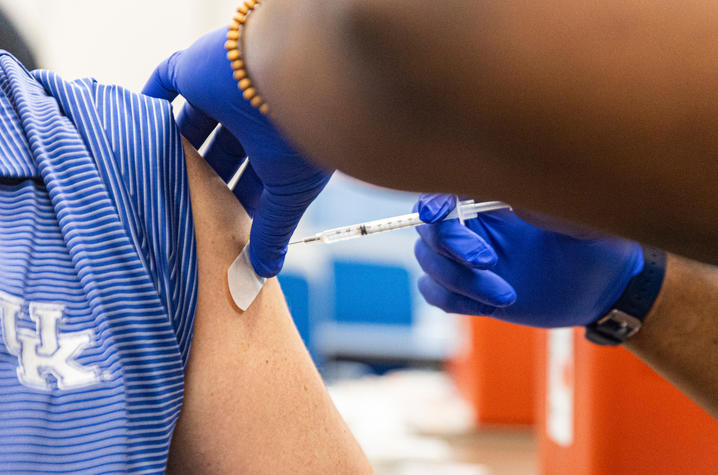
45,351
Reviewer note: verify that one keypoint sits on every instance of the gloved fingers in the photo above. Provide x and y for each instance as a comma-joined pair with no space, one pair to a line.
457,242
450,302
450,238
162,82
249,190
275,219
195,125
433,207
224,154
494,226
482,285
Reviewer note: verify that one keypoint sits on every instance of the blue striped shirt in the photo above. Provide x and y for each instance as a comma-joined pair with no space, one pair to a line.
98,277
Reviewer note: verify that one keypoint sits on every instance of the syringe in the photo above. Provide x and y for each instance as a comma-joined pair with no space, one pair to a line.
465,210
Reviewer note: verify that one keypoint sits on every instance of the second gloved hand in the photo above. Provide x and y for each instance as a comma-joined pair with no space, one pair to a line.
280,184
499,265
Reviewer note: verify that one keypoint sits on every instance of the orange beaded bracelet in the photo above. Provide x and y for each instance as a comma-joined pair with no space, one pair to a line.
234,47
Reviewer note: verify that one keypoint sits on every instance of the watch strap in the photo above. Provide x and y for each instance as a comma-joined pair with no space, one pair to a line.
627,314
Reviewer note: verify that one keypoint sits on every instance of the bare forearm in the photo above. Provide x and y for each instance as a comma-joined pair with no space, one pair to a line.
603,113
680,335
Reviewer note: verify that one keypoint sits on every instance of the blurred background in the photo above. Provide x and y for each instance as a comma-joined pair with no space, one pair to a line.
423,391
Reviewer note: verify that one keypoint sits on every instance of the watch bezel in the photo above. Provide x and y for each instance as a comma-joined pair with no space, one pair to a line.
624,320
614,328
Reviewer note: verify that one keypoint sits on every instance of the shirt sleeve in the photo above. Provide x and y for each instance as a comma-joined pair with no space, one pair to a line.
146,175
150,166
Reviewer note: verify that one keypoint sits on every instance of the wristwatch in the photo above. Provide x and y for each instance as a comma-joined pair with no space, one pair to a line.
626,316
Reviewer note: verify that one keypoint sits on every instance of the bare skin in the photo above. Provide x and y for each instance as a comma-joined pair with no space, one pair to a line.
601,113
254,402
680,335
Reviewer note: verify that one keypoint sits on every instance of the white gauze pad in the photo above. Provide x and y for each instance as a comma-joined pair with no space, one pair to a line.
244,283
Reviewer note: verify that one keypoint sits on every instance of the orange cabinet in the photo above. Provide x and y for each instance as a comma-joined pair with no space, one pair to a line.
603,411
494,370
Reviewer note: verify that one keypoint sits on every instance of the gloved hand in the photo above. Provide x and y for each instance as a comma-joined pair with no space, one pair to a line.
279,184
499,265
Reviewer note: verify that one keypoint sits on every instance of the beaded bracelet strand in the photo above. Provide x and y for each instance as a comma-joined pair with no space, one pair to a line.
235,48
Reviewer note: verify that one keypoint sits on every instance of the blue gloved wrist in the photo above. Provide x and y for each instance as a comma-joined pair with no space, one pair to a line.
626,316
634,265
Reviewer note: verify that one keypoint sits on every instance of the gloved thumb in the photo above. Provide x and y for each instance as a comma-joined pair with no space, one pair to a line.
433,207
195,125
224,153
275,220
162,82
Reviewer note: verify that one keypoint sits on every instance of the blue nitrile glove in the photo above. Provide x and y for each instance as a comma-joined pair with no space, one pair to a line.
279,185
499,265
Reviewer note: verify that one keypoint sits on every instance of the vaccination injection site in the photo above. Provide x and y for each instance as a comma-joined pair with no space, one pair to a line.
401,237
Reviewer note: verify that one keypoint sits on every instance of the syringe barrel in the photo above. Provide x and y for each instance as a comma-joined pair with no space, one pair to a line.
340,234
390,224
370,227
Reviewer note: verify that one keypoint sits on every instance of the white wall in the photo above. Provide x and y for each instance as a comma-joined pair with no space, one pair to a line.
117,42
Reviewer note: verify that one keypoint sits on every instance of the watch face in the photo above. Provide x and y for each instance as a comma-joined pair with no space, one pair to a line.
614,328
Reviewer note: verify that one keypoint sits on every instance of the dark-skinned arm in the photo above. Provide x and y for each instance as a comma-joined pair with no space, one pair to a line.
679,338
603,113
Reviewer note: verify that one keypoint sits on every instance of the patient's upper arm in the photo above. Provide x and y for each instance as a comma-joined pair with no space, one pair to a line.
253,400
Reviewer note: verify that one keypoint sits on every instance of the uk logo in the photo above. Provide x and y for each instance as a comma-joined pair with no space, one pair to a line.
46,357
